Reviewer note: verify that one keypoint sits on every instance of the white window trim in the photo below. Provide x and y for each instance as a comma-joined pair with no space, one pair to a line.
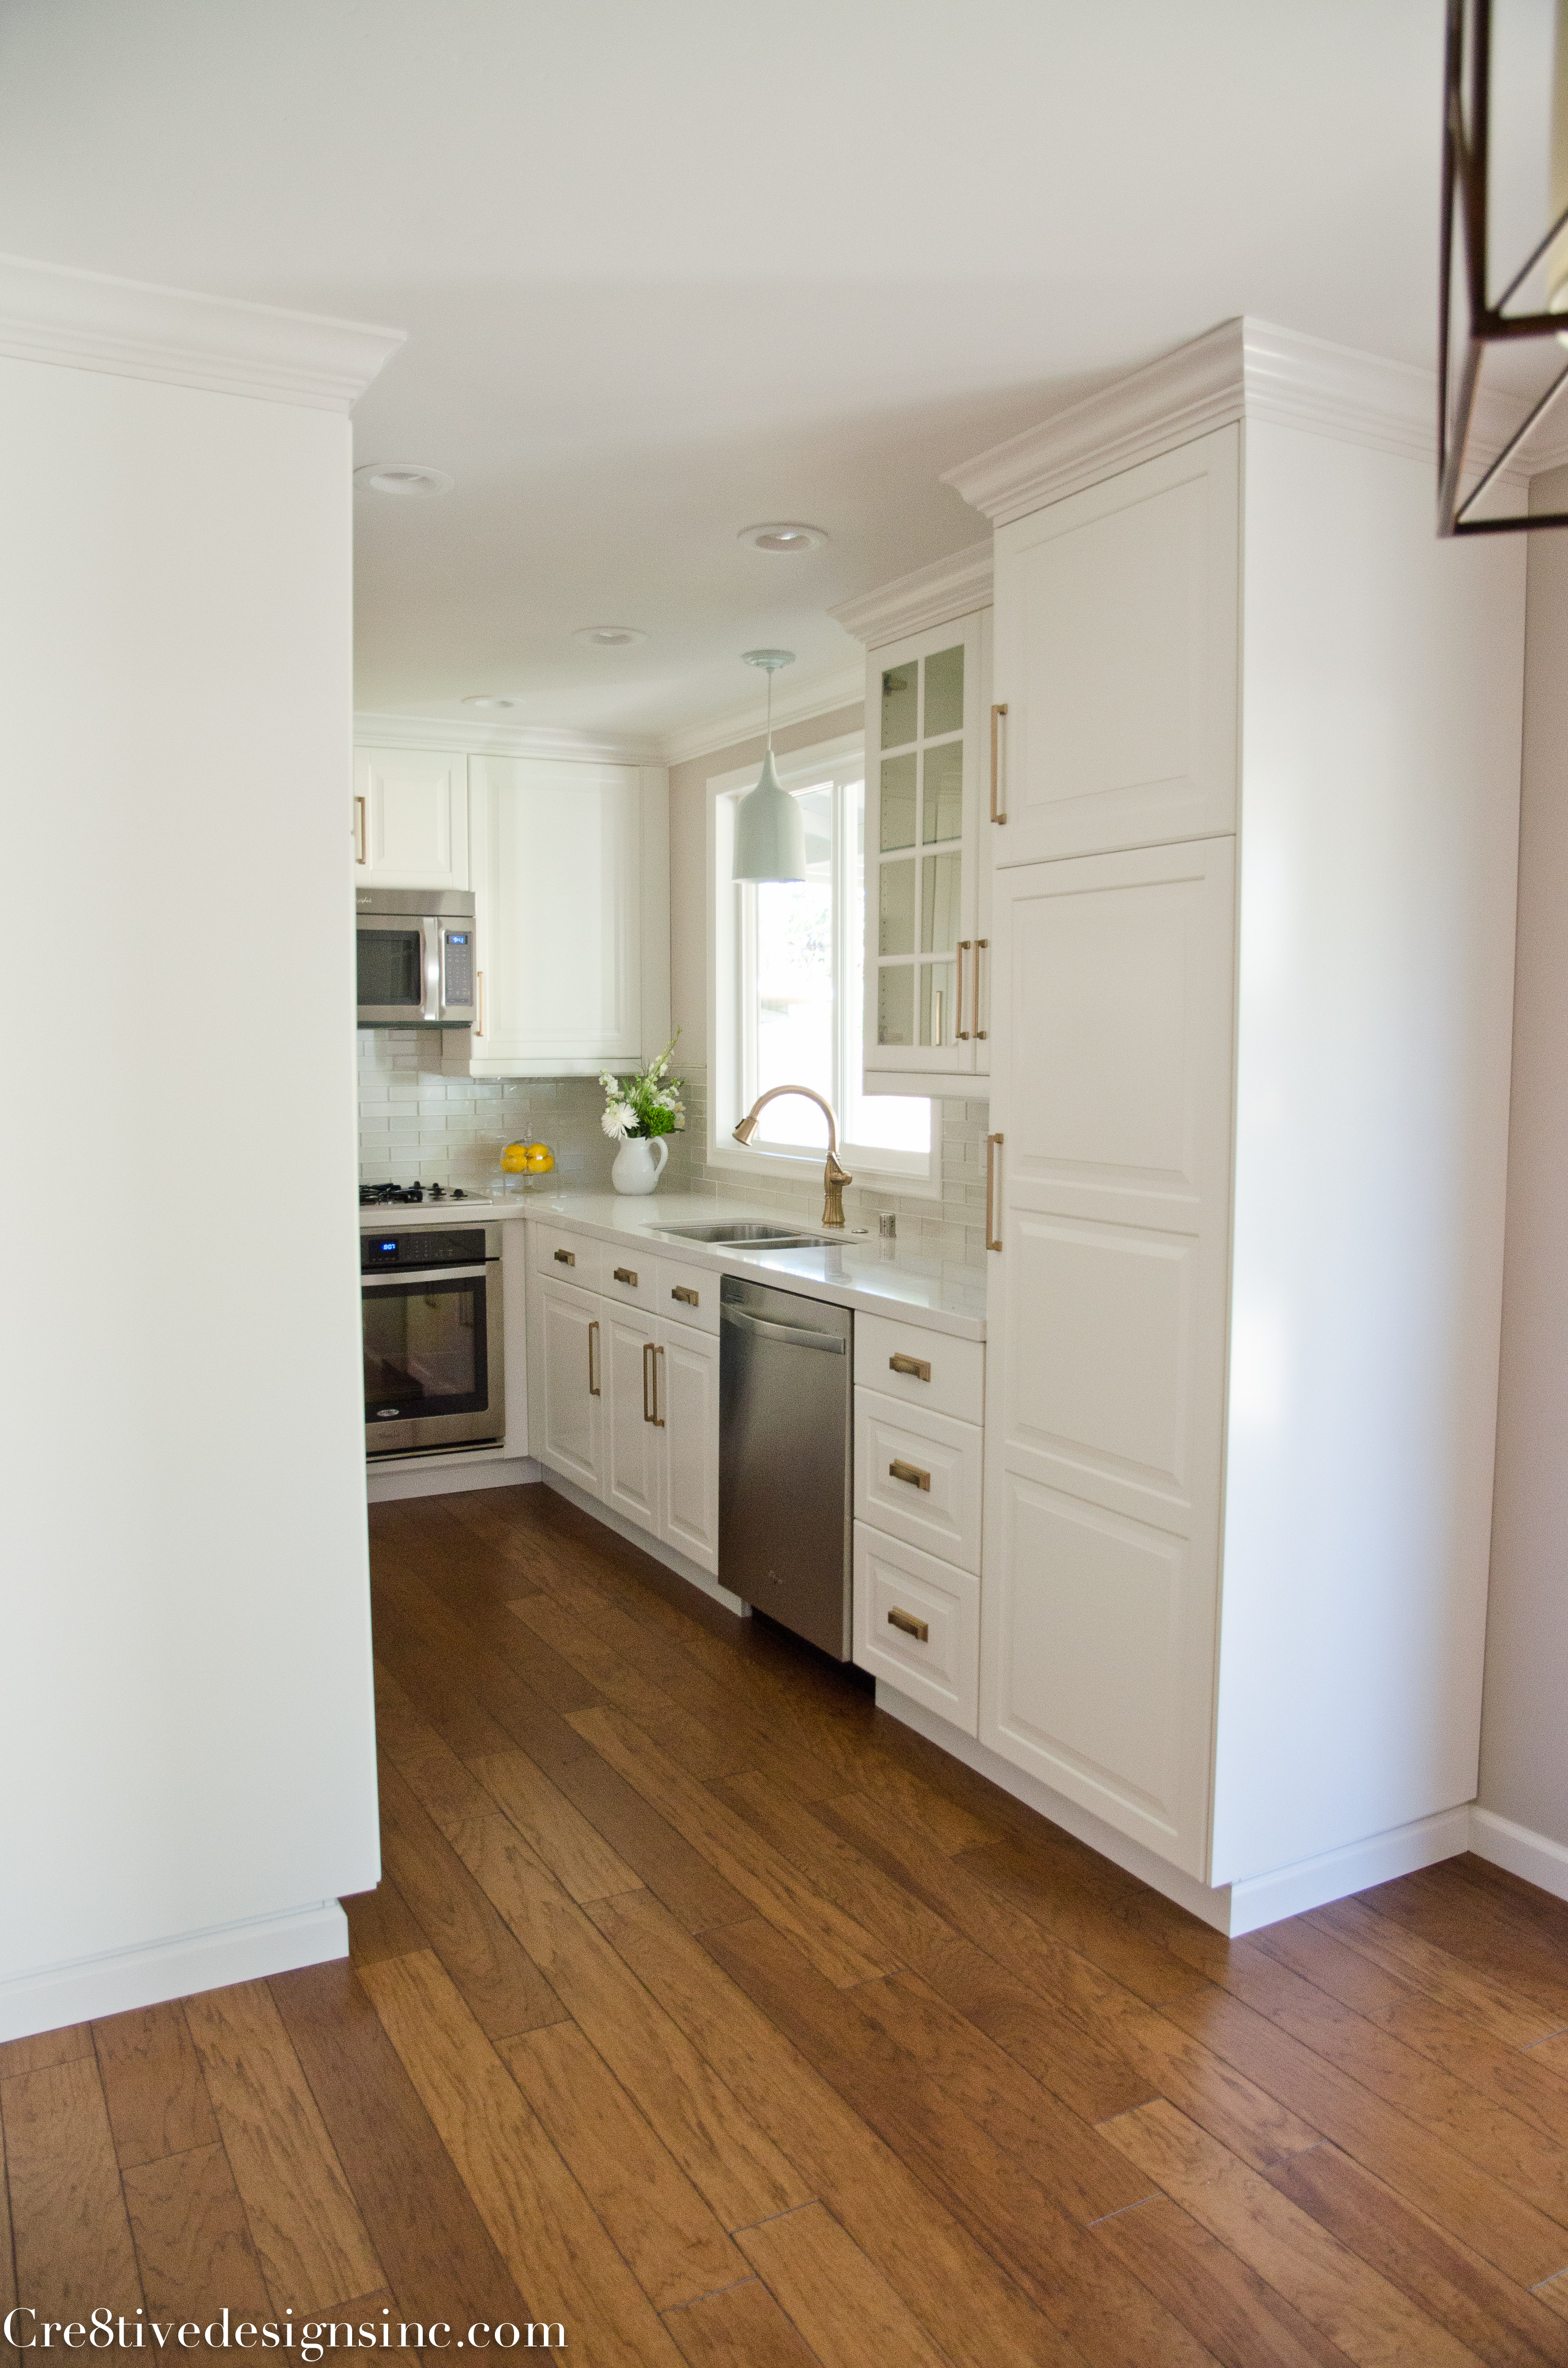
912,1174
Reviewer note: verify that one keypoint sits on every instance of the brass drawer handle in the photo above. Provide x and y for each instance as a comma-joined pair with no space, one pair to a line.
658,1369
998,811
916,1367
899,1470
682,1292
960,1033
565,1257
918,1629
981,945
593,1389
626,1274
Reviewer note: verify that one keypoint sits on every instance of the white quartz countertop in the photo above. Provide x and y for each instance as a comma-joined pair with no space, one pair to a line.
856,1271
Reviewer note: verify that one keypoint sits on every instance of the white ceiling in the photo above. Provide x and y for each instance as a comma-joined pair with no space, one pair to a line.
670,266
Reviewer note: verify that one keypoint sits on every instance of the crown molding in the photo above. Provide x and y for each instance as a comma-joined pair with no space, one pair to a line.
954,586
129,328
819,696
1244,368
379,730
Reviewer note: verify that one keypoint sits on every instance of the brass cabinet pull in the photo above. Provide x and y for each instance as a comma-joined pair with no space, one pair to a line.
998,811
593,1389
626,1274
479,1023
899,1470
651,1356
960,1033
565,1257
362,847
992,1235
918,1629
687,1296
916,1367
658,1417
647,1377
979,946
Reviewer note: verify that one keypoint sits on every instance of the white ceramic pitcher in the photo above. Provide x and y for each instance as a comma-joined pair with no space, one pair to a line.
634,1169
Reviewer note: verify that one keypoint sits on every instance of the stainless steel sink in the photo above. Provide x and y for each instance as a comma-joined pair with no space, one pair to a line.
735,1234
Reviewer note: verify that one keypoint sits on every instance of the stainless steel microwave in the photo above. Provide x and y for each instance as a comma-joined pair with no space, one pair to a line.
415,957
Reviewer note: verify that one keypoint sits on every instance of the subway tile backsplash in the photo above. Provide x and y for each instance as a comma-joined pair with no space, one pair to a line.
416,1123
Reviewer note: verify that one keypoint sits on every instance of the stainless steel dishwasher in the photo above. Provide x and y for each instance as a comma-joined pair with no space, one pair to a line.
784,1457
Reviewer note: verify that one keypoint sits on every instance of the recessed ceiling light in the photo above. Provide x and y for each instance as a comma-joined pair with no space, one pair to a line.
783,534
609,637
486,699
408,480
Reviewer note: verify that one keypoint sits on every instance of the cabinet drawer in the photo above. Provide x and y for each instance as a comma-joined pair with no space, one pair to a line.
688,1294
569,1257
900,1591
918,1476
628,1275
948,1375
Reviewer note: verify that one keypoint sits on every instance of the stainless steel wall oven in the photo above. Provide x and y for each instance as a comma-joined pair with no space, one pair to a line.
434,1351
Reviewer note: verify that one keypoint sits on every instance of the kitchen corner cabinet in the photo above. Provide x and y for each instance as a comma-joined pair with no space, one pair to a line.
927,871
411,818
570,877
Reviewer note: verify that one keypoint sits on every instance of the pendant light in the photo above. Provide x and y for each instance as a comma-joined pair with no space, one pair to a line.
770,830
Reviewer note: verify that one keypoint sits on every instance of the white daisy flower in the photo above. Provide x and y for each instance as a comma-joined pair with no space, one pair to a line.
619,1119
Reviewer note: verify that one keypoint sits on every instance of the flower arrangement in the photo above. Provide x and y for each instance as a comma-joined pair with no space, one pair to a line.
649,1103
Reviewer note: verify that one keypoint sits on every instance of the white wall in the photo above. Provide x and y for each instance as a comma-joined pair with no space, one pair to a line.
188,1738
1524,1741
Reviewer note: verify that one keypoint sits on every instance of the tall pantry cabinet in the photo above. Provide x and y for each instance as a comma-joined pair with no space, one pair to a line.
1257,753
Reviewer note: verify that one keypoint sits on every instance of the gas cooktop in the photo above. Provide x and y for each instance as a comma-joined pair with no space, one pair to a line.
411,1196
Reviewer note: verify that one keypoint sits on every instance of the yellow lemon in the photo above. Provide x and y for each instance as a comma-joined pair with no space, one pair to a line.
515,1159
540,1158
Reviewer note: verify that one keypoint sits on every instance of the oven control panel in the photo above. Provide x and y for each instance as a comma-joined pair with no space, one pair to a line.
445,1246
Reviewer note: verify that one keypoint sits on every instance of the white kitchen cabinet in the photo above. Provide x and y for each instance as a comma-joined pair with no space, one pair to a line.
1250,1045
928,864
567,1382
634,1457
571,875
688,1402
411,818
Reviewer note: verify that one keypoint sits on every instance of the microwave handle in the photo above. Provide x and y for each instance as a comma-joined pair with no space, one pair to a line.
433,952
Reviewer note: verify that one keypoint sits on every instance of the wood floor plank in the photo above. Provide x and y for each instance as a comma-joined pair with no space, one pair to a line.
1472,1995
74,2252
740,2327
1502,2324
575,1852
691,1889
152,2085
1370,2321
1081,1922
841,2303
541,2222
1438,1906
193,2244
382,1924
955,2287
841,1949
8,2246
503,1988
43,2048
1552,2051
703,1749
676,2248
1240,2317
1553,2293
1111,2318
436,2251
312,2244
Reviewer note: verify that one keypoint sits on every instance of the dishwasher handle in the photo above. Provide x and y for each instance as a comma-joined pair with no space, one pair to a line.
794,1336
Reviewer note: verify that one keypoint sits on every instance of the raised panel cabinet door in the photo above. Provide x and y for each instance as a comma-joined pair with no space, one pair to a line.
633,1442
560,918
411,818
1110,1165
1117,625
926,705
569,1393
688,1381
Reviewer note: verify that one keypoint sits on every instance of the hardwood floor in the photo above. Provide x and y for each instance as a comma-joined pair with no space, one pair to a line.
707,2011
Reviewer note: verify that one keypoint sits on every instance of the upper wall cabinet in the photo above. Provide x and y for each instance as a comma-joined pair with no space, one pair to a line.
410,817
928,866
1116,721
571,874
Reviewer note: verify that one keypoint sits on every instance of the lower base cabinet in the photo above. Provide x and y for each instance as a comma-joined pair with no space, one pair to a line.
917,1625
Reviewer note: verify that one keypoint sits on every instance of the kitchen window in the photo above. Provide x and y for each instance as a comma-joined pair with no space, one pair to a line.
786,992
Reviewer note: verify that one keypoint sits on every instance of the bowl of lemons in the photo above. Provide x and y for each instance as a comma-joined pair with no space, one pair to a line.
527,1161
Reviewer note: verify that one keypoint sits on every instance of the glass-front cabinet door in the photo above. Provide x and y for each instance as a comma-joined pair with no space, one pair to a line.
926,886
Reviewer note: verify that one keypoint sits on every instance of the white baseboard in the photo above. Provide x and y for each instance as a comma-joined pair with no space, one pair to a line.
1536,1856
1231,1908
441,1475
61,1995
671,1556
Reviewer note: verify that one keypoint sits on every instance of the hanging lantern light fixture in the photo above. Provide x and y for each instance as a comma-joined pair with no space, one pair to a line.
771,831
1508,343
